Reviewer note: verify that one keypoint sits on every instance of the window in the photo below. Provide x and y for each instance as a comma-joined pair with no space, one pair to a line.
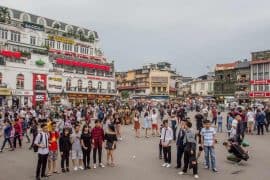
109,85
47,42
20,81
99,85
41,22
68,84
15,36
261,87
164,89
90,72
260,68
91,51
32,40
202,86
76,48
79,85
67,47
90,85
58,44
100,73
26,18
266,87
51,44
3,34
80,70
255,87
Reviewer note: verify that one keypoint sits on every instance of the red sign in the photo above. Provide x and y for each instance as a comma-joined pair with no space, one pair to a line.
259,94
39,97
259,82
12,54
68,62
39,82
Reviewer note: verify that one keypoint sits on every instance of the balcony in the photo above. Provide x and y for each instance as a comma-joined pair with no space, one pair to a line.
90,91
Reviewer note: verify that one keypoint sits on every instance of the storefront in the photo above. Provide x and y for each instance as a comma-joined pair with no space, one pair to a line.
21,97
5,95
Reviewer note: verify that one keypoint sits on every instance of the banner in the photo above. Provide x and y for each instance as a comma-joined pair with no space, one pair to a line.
39,82
55,84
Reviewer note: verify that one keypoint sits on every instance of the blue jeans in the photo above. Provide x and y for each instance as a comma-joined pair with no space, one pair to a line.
219,128
209,151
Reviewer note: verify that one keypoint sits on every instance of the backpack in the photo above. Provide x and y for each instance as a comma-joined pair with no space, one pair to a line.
35,147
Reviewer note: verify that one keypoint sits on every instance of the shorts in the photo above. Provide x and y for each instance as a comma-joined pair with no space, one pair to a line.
76,154
53,155
154,126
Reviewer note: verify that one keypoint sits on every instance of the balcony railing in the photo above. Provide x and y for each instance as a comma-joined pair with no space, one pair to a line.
93,90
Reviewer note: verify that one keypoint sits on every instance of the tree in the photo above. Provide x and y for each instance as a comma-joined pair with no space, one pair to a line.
4,15
125,94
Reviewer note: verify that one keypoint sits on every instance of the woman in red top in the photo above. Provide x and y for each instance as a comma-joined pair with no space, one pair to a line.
18,133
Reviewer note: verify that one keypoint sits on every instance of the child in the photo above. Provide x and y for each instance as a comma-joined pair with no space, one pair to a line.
208,140
65,147
53,149
190,151
97,135
111,139
219,120
166,140
7,134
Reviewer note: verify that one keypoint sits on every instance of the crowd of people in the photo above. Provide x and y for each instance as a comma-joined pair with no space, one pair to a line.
77,132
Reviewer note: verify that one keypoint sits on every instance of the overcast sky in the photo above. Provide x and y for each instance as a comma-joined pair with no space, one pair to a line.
190,34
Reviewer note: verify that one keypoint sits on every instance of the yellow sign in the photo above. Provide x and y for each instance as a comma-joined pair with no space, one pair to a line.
62,39
5,91
55,79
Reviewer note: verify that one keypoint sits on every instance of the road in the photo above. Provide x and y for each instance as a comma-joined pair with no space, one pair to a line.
137,158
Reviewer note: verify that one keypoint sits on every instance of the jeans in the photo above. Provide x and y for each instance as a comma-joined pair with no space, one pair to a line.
99,149
174,128
4,143
219,129
180,153
65,159
86,157
260,128
167,154
209,151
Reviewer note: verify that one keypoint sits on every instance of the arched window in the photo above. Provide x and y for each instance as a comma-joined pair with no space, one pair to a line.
68,84
79,85
99,85
20,81
109,86
1,78
26,17
90,85
41,21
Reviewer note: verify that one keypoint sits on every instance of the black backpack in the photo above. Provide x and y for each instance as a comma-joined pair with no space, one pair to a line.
35,147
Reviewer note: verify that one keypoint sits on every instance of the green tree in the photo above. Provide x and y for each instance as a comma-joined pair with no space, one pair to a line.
125,94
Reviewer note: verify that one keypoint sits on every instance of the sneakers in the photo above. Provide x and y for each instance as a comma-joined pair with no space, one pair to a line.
168,166
206,167
164,165
196,176
181,173
81,168
75,168
95,166
101,165
215,170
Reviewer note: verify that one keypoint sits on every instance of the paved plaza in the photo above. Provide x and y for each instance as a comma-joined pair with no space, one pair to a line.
137,159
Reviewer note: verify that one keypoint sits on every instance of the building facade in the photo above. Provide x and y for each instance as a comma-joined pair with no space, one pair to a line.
153,80
260,77
242,81
42,59
225,82
203,86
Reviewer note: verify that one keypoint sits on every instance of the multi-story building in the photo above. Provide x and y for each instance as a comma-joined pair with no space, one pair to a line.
203,86
43,59
242,81
153,80
225,82
260,77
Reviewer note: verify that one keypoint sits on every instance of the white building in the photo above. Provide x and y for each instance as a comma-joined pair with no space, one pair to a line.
42,59
203,86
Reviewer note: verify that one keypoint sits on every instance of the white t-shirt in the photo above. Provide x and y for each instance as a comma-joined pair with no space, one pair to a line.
154,118
250,116
234,123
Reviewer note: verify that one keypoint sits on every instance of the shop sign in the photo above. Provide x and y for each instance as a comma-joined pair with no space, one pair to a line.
54,83
258,82
259,94
61,39
18,92
33,26
5,92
